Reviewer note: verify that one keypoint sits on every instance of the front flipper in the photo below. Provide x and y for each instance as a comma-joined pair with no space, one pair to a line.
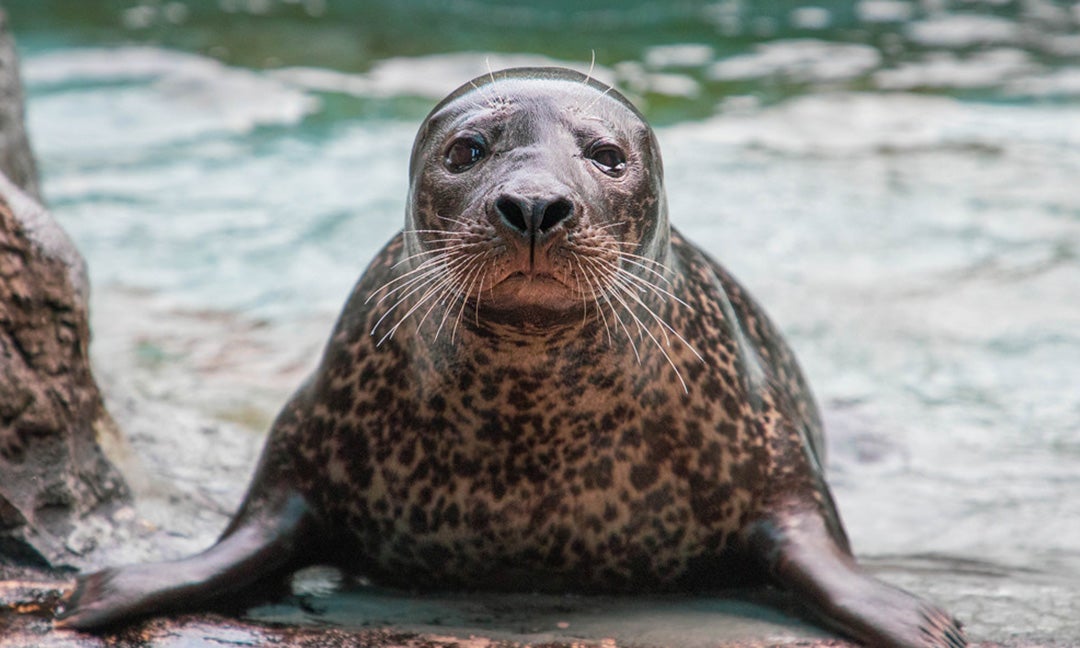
261,545
803,557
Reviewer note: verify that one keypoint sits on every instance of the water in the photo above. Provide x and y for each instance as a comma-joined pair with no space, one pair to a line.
896,181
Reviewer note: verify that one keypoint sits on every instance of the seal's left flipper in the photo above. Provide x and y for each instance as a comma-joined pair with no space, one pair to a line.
261,545
803,557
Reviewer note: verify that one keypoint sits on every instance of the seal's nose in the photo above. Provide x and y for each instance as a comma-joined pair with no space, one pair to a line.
533,215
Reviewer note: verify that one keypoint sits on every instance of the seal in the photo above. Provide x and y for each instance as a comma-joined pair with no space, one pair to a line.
539,384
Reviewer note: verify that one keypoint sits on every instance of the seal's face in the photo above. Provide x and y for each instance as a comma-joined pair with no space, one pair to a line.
534,195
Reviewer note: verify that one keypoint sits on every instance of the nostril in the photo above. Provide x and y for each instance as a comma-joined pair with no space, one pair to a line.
556,212
511,212
530,215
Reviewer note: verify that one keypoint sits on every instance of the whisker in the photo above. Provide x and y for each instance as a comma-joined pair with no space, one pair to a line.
478,276
597,295
479,292
598,98
610,246
602,252
633,259
433,275
461,278
440,287
646,284
445,248
432,288
644,329
608,226
627,288
643,259
431,231
629,336
449,252
665,326
659,275
629,284
491,74
663,293
428,279
408,278
455,221
584,295
452,290
594,289
428,266
483,95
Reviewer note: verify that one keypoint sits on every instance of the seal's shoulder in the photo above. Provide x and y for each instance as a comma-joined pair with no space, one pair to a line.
714,289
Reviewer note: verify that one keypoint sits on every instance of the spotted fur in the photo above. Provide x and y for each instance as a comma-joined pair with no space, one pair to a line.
623,417
515,458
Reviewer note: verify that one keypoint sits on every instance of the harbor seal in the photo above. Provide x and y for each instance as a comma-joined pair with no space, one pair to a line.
540,385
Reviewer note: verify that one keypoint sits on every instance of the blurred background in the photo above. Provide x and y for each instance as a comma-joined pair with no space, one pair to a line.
897,181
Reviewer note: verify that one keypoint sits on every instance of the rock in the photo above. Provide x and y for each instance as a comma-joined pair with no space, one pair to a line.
52,471
28,601
16,157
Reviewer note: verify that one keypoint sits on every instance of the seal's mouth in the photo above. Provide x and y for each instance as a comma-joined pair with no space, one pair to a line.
531,288
531,277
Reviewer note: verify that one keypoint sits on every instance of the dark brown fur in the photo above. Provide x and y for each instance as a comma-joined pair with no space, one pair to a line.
567,398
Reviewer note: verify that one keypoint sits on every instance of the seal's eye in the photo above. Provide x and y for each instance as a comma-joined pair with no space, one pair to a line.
608,158
465,152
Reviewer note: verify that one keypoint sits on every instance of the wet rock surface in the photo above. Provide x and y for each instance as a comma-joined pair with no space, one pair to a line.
28,600
16,158
52,472
378,618
52,417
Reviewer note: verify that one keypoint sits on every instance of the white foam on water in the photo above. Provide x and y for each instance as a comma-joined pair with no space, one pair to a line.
681,55
635,79
136,97
884,11
432,77
963,30
799,59
1059,83
985,69
811,17
845,123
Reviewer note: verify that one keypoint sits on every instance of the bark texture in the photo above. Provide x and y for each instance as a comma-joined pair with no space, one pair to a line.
52,472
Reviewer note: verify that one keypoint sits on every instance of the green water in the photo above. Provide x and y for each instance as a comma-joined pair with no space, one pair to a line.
353,36
895,181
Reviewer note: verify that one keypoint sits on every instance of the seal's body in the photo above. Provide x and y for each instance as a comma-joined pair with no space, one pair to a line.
540,385
551,458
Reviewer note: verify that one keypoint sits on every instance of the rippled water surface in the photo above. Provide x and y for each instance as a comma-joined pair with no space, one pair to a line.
896,181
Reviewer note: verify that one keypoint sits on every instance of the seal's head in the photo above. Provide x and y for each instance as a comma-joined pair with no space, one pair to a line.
535,192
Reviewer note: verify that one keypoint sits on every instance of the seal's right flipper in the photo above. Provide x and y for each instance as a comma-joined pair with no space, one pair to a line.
803,557
262,545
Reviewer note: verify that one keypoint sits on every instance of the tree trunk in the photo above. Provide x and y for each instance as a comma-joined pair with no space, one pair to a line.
52,472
